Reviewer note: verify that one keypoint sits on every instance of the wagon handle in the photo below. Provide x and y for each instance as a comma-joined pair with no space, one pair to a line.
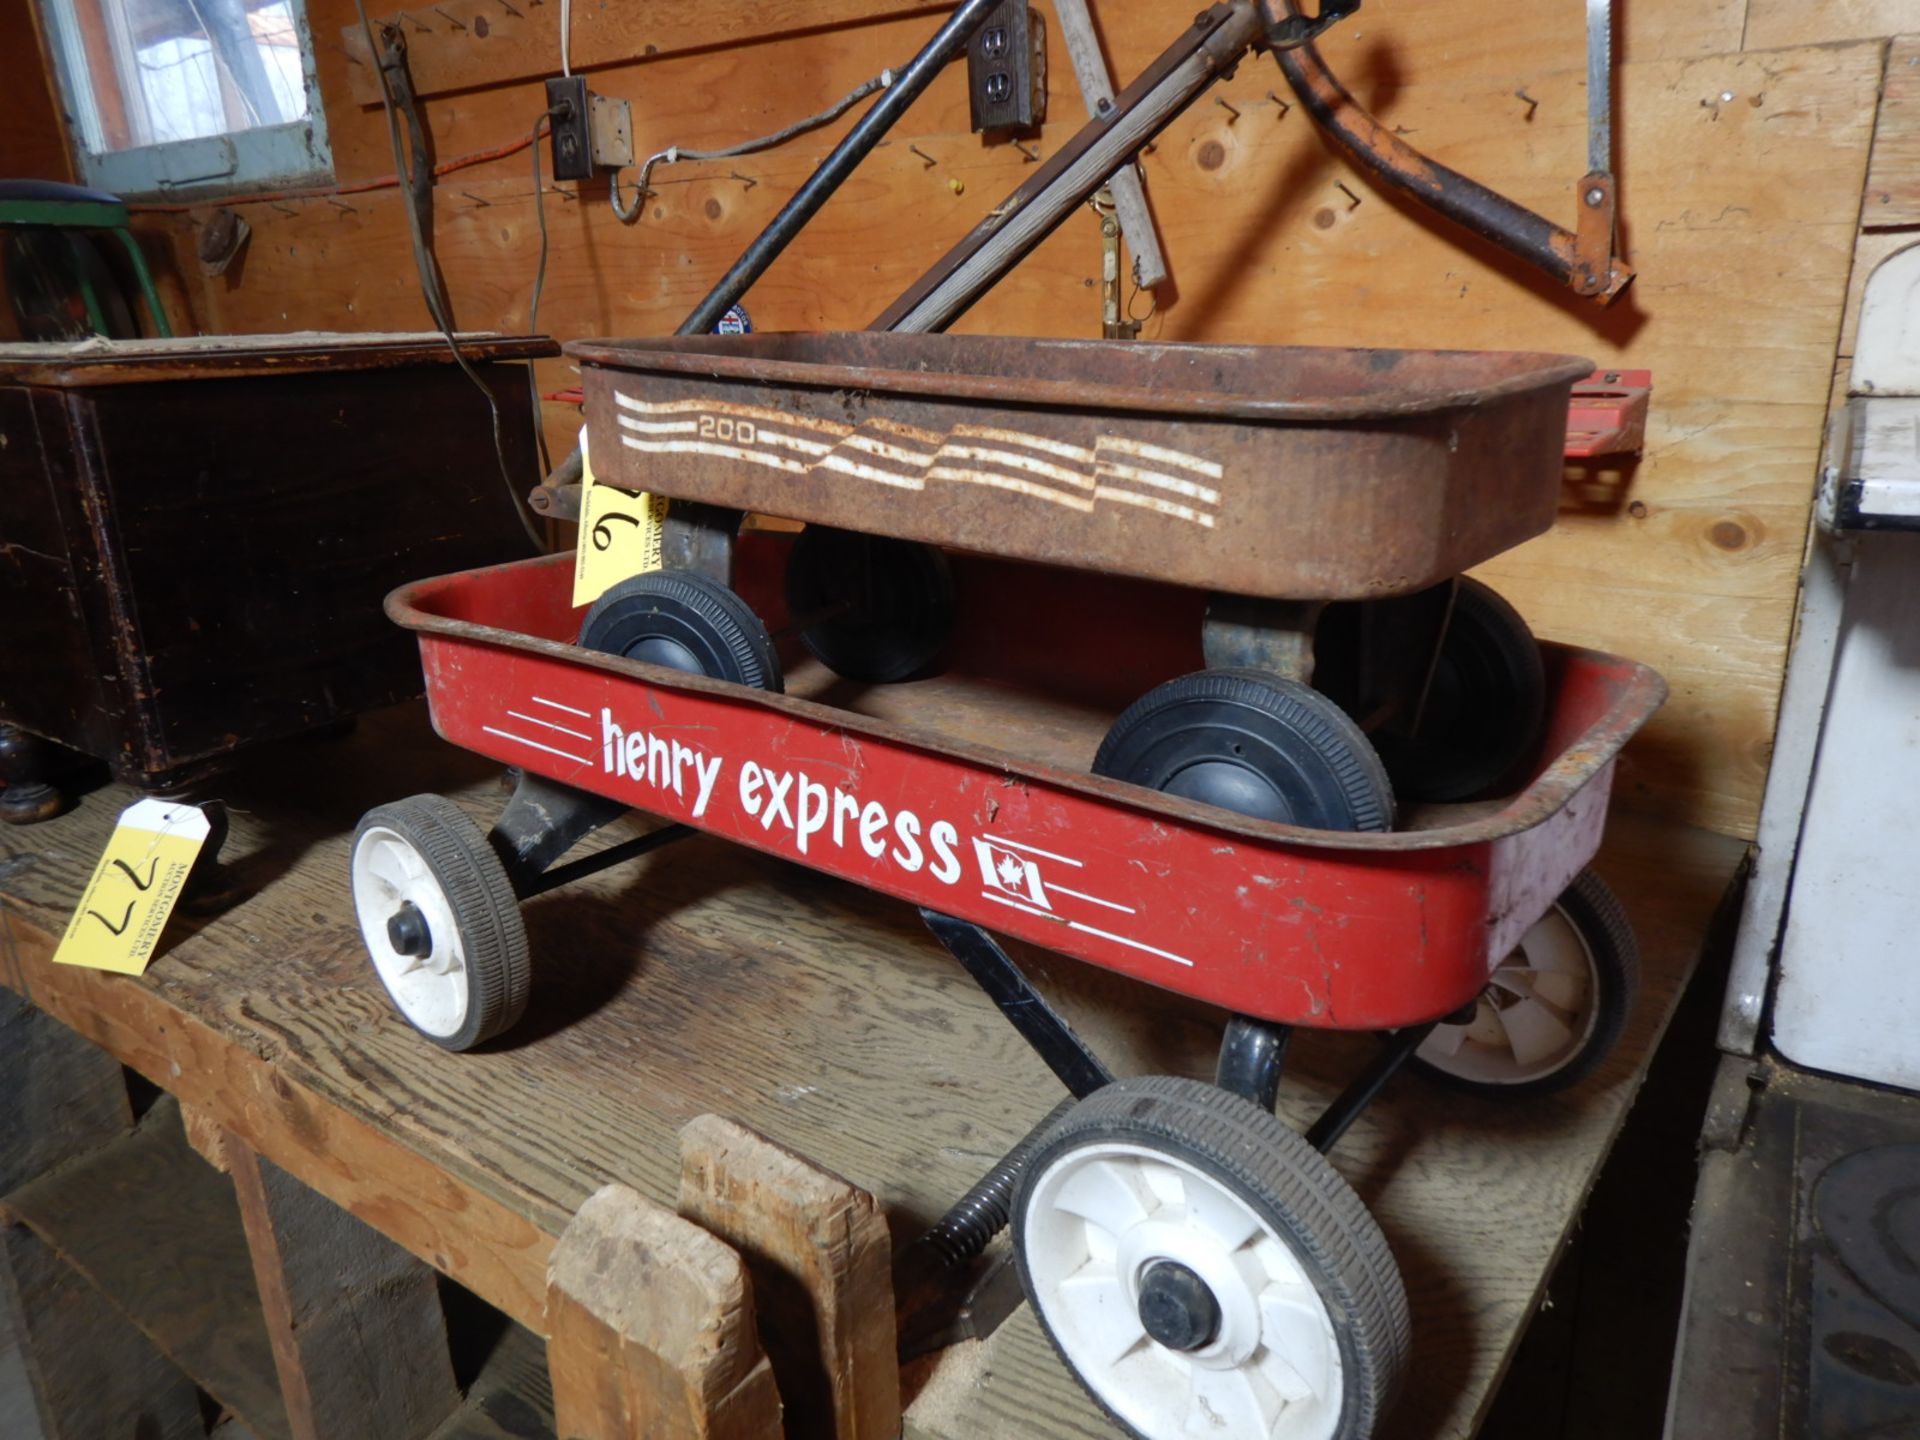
1584,262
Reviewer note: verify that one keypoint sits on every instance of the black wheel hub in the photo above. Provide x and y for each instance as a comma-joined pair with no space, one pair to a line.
407,931
1176,1307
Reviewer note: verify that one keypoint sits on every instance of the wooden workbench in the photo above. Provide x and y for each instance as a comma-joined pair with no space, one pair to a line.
710,979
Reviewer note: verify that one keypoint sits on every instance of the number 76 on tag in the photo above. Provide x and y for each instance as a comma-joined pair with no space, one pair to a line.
619,534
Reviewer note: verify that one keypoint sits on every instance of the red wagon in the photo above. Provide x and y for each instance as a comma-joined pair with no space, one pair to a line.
1082,771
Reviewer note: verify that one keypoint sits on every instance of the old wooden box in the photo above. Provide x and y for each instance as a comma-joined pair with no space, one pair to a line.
196,535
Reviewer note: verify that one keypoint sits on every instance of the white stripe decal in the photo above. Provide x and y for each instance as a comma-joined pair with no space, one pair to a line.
542,700
1140,450
869,472
1087,929
1152,477
1053,889
522,740
904,431
793,442
1058,448
1016,462
1154,502
721,452
870,446
1032,850
1007,482
720,407
954,460
548,724
657,427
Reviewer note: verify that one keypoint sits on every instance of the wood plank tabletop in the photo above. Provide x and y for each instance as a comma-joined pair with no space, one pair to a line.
710,979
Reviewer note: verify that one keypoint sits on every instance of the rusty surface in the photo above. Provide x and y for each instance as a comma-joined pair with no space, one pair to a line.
1583,262
1286,472
1275,635
1593,238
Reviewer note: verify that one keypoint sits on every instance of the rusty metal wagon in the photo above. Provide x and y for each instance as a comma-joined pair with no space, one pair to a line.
1109,761
1123,650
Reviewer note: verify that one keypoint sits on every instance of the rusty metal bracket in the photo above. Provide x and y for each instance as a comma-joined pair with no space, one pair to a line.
701,538
1248,632
1593,236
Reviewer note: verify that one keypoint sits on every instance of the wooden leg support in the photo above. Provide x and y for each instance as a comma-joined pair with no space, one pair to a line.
359,1338
821,1259
650,1326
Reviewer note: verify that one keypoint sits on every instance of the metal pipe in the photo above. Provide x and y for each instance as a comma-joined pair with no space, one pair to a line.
1346,1107
947,42
1210,47
604,860
1039,1024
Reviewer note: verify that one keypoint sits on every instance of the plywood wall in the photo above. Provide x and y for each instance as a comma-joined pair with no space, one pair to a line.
1746,129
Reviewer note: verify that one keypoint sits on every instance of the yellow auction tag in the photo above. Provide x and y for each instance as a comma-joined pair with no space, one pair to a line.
619,534
117,924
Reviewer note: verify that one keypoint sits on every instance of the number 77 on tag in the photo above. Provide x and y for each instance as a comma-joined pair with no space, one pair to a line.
122,912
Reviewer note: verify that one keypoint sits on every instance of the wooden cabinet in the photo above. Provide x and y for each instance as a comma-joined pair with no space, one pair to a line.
196,536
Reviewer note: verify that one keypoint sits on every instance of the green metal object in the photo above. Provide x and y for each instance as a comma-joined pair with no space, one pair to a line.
46,205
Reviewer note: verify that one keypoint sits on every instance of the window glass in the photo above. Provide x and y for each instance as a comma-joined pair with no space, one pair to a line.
189,93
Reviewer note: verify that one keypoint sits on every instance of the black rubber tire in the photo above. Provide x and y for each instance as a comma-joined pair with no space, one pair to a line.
685,622
899,595
478,892
1485,708
1289,1184
1602,925
1255,743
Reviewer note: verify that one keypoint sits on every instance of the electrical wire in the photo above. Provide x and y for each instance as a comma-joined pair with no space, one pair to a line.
433,290
539,283
674,153
566,38
321,192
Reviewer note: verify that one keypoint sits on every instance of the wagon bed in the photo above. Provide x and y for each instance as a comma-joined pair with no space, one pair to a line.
1287,472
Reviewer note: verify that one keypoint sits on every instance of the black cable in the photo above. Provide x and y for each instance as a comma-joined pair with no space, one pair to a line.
539,283
418,182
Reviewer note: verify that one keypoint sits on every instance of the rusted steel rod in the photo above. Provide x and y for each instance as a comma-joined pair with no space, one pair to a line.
1493,217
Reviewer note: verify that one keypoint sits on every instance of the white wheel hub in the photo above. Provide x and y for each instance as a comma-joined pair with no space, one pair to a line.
1099,1218
1536,1015
389,873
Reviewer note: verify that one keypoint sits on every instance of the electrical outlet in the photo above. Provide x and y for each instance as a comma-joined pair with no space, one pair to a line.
610,122
1007,69
571,132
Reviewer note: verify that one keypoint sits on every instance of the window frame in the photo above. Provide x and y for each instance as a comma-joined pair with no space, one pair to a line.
292,154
